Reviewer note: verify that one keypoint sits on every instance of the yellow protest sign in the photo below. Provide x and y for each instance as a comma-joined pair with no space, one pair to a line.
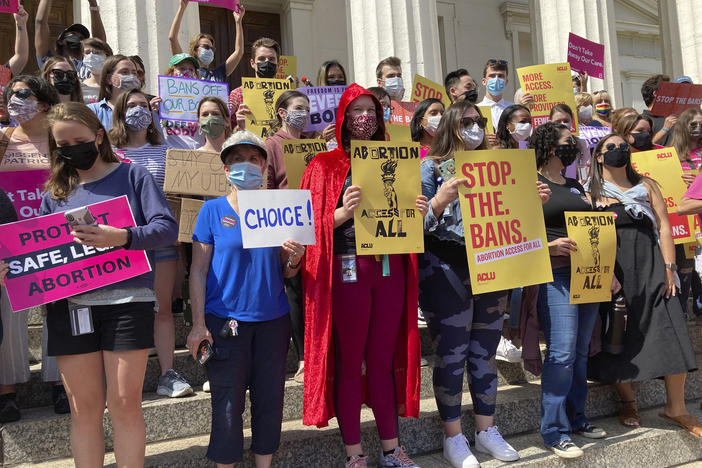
592,265
663,166
424,88
287,66
398,132
503,221
260,95
549,84
690,250
387,220
486,112
297,155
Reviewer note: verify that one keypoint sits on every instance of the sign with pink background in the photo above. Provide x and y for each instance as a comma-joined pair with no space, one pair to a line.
586,56
24,188
228,4
9,6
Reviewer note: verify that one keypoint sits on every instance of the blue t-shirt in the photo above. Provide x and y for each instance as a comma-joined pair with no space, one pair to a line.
245,284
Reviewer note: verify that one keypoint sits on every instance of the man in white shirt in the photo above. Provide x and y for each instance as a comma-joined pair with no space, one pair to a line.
495,80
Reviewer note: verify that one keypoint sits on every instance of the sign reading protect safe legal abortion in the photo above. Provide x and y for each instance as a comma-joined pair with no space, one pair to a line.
503,221
270,217
47,265
181,96
585,56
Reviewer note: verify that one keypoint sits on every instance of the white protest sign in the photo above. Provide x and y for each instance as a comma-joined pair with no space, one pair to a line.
181,96
270,217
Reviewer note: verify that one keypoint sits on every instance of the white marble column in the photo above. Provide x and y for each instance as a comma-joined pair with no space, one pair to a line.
299,35
407,29
681,38
592,19
139,27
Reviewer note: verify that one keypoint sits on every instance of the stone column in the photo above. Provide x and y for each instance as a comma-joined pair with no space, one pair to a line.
592,19
681,38
407,29
298,35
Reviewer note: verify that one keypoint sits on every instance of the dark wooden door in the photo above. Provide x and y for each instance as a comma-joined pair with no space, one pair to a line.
220,24
60,17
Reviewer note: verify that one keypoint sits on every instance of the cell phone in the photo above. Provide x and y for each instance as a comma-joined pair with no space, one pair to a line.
204,352
80,216
447,169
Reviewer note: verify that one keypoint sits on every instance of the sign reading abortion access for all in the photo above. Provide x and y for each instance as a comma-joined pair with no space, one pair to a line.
424,88
503,221
24,189
228,4
663,166
270,217
387,220
191,172
592,265
324,100
181,96
674,98
9,6
549,84
46,264
398,133
585,56
260,95
297,155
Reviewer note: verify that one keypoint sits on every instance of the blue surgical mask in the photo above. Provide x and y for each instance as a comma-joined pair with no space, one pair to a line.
387,113
496,86
206,56
245,176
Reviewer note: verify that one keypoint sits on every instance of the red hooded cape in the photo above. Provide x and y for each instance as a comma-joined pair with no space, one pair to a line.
324,177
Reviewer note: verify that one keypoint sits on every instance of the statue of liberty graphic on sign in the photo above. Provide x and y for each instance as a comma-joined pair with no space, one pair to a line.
594,233
388,169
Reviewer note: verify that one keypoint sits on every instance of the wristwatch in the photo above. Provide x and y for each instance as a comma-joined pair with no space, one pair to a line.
671,266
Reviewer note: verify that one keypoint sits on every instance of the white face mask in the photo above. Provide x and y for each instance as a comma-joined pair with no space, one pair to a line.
22,110
94,62
522,131
472,136
395,87
585,113
432,124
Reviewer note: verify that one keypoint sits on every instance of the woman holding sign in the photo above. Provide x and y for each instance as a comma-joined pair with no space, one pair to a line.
240,313
425,121
114,346
292,116
369,313
656,340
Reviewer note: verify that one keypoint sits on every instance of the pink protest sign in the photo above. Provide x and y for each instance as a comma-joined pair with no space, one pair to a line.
47,265
9,6
586,56
24,189
233,5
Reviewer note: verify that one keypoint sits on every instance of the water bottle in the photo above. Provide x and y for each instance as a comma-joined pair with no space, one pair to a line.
616,325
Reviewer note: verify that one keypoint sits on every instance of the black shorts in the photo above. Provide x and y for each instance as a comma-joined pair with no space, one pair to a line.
121,327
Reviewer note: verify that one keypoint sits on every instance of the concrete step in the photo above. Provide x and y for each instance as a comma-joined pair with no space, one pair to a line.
42,435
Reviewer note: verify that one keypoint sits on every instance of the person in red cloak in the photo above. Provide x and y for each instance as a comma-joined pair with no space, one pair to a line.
372,319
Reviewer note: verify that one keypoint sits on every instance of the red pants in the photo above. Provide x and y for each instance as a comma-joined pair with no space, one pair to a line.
366,319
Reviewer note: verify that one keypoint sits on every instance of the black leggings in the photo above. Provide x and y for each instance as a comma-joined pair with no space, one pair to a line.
293,288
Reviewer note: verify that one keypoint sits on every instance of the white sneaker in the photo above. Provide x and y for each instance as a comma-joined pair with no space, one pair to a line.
490,441
206,387
457,453
506,351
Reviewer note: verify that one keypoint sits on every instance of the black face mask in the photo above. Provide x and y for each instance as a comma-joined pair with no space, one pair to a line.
81,156
471,95
336,83
642,141
65,86
567,153
266,69
72,42
616,157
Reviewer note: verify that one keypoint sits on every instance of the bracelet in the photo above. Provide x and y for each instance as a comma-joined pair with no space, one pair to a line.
665,130
129,239
671,266
95,8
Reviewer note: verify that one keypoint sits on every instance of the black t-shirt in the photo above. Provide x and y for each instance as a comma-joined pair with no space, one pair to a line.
214,74
658,123
567,197
345,235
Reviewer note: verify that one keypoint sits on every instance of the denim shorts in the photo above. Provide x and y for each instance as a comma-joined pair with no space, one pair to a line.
165,253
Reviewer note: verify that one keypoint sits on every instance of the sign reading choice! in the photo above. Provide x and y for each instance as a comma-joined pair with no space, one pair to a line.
387,220
549,84
47,265
270,217
585,56
503,221
182,95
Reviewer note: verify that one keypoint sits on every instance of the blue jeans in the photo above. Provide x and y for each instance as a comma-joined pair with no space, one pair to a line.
568,329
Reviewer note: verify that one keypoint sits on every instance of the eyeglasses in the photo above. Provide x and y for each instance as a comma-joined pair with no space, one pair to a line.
497,62
62,75
612,146
598,92
694,125
468,122
22,93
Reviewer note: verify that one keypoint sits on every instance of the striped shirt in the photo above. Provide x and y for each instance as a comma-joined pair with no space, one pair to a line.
150,156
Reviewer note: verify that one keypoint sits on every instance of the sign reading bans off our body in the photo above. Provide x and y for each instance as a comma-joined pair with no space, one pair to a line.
46,264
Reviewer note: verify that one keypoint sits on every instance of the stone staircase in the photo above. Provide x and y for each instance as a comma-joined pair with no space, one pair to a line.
177,429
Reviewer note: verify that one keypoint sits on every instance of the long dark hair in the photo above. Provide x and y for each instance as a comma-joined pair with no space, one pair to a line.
544,140
596,181
502,132
416,124
282,103
448,137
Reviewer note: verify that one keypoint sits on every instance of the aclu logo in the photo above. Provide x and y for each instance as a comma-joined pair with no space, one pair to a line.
562,68
487,276
368,245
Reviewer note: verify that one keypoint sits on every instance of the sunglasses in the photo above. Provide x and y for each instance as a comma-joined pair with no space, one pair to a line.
497,62
468,122
612,146
61,75
694,125
22,93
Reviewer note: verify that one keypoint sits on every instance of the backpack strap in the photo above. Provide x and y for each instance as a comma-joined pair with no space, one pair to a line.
5,141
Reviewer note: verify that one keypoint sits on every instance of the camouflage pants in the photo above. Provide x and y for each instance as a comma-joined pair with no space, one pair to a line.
465,330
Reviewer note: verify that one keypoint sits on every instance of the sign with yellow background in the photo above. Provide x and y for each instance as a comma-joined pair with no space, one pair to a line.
260,95
287,66
503,221
297,155
398,132
387,220
486,112
424,88
663,166
549,84
592,265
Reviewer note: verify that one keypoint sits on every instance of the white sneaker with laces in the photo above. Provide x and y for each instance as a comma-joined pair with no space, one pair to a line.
457,453
506,351
490,441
